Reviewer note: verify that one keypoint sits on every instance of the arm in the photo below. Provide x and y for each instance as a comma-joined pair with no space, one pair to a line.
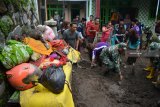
77,43
104,29
64,36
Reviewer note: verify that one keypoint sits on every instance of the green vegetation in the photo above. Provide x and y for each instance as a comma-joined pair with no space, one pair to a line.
18,4
4,27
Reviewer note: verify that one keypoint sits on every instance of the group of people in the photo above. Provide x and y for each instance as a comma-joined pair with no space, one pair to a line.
117,35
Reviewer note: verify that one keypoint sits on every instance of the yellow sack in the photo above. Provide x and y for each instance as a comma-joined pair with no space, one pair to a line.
73,55
39,96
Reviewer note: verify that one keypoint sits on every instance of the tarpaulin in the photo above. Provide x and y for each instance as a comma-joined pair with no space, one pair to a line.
39,96
38,46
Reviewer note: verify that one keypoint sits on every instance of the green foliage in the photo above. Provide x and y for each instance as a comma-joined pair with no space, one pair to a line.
17,3
5,27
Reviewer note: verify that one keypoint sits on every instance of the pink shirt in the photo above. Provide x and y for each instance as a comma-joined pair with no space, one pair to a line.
106,34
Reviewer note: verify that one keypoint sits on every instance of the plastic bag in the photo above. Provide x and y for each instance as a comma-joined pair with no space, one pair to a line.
53,79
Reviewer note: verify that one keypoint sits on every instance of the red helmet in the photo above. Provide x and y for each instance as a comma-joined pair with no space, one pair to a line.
22,76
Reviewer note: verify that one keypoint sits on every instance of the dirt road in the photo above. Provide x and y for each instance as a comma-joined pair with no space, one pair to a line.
91,88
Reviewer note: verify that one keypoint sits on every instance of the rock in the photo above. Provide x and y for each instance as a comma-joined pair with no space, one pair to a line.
6,25
3,8
16,18
2,88
7,20
25,19
10,8
2,39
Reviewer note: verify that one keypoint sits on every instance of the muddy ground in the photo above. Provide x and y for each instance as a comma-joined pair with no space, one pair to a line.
91,88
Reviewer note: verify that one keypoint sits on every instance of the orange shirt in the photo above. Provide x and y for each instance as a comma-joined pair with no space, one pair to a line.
94,27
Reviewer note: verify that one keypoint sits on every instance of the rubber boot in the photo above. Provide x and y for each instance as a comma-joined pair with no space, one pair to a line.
148,68
150,76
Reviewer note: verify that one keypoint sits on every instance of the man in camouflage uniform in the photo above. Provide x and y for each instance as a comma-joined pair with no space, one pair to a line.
111,57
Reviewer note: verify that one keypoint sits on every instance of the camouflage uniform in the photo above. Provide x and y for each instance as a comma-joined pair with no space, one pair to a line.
111,57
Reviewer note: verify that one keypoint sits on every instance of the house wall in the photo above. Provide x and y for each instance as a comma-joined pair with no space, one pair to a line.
68,13
68,7
143,13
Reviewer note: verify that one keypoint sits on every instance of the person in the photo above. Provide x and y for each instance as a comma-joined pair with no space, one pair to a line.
71,36
154,63
115,18
111,57
96,51
135,27
93,29
88,25
81,27
106,32
133,44
56,17
64,26
120,33
127,21
77,19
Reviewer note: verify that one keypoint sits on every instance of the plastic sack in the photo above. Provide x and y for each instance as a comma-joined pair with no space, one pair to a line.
53,79
49,62
58,44
23,76
14,53
73,55
39,96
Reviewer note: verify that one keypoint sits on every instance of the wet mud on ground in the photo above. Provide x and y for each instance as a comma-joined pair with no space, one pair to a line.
91,88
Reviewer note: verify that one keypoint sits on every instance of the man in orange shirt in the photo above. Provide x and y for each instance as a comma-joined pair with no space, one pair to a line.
92,29
88,24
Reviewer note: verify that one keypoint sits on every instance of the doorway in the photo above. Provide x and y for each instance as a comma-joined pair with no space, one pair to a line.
74,13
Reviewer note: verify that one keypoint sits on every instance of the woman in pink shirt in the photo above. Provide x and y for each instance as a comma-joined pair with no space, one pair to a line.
106,32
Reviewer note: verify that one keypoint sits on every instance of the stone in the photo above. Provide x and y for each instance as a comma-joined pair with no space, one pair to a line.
25,19
7,19
2,39
10,8
3,8
16,18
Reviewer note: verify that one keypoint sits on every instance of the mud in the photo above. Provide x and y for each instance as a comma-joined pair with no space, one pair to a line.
91,87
